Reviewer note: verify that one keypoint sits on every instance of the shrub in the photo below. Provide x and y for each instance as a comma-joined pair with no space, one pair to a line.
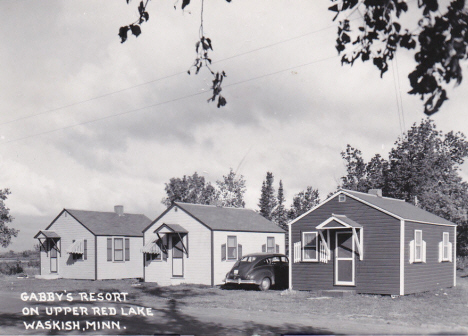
10,268
34,263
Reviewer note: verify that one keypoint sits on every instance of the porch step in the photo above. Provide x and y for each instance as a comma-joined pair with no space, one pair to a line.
48,276
336,292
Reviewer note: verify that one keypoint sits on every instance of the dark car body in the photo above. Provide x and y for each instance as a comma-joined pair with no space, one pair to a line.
261,269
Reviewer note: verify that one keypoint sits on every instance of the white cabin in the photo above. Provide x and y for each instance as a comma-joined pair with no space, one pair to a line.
199,244
93,245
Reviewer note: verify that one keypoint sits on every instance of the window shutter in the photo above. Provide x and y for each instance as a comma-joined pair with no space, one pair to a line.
127,249
223,252
109,249
277,248
264,248
423,252
239,251
441,251
411,252
297,252
85,249
450,251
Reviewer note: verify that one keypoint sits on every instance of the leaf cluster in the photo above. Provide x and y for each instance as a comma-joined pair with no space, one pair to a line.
442,41
135,26
195,189
6,233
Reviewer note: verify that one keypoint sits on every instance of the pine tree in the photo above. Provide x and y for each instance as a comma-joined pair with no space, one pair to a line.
280,214
267,198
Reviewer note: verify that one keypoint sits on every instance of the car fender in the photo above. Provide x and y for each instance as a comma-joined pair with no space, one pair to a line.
260,274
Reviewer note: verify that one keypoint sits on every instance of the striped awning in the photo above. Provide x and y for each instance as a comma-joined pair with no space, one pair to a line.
76,247
151,248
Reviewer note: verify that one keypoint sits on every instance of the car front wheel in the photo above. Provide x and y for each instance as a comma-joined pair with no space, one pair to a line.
265,284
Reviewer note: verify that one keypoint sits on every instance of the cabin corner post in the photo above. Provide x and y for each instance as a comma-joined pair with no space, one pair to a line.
95,258
402,257
212,258
289,256
455,258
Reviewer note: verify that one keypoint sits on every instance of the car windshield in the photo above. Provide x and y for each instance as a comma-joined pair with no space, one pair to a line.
248,259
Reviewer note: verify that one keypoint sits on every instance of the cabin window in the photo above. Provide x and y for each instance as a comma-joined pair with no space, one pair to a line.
342,198
232,247
118,249
127,249
271,244
445,248
309,243
417,248
418,245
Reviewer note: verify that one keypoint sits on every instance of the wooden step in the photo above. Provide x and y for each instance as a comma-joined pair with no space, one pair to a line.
336,292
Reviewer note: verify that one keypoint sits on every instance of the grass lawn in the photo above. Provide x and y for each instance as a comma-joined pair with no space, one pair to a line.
445,307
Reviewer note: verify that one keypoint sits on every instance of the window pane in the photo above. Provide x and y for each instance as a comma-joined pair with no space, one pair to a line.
310,254
231,252
418,237
118,243
118,255
271,245
232,241
310,240
417,253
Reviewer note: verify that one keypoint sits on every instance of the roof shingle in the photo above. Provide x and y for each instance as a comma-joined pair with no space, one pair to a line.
399,208
230,219
110,223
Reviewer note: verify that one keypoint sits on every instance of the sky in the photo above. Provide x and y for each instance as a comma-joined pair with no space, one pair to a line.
87,122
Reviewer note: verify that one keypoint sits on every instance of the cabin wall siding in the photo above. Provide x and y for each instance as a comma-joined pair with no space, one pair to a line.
70,229
120,269
251,243
197,267
432,274
378,272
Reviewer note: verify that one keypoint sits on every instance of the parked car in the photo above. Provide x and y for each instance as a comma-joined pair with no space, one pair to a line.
261,269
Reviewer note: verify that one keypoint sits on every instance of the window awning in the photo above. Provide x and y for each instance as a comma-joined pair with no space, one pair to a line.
151,248
76,247
47,234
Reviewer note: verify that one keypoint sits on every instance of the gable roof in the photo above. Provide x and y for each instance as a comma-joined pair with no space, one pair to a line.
110,223
229,219
399,208
394,207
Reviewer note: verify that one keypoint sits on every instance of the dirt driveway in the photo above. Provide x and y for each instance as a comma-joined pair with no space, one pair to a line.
200,310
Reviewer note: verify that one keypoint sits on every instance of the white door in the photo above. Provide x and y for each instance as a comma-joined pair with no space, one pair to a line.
177,257
344,259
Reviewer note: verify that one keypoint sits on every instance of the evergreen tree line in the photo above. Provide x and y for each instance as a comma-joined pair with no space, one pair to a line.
229,192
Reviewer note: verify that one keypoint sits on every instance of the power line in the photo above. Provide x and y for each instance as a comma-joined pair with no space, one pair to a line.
163,78
165,102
